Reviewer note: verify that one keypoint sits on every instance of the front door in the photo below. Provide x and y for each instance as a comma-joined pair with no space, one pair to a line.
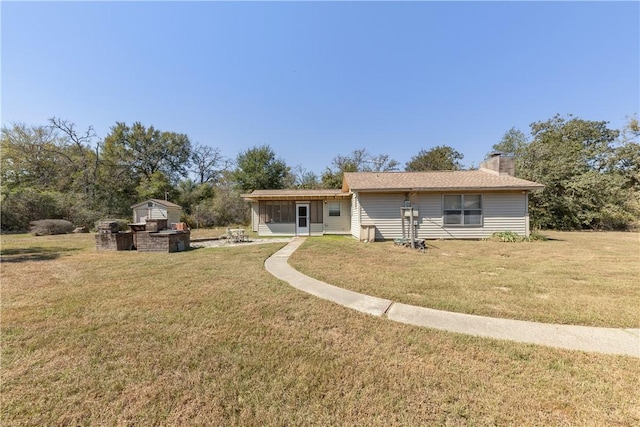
302,219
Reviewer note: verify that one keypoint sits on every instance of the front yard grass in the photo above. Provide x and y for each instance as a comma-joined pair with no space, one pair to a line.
581,278
207,337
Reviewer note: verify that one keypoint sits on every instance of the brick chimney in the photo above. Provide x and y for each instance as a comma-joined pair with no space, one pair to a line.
499,164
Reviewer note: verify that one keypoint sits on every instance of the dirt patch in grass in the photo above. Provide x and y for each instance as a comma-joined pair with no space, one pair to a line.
207,337
224,243
574,278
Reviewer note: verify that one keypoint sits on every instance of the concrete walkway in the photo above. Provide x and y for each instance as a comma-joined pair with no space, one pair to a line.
584,338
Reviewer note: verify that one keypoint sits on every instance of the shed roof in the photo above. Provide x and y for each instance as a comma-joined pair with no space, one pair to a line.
434,181
160,202
295,194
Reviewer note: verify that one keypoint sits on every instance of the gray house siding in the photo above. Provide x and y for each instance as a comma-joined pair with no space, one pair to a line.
337,224
277,229
355,216
287,229
142,212
501,211
383,211
254,216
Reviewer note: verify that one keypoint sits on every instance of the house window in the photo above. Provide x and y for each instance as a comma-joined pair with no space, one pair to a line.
277,212
334,209
462,209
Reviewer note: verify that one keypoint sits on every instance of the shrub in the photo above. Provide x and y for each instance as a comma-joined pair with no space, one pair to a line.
537,236
226,208
511,237
45,227
77,209
505,236
21,207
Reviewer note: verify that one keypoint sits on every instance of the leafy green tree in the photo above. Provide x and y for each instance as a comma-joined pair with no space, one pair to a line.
441,157
572,157
156,186
139,162
228,207
511,143
258,168
30,157
148,150
191,194
626,160
49,171
58,172
217,205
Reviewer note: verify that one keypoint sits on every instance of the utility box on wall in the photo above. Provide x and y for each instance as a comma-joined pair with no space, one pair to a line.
367,233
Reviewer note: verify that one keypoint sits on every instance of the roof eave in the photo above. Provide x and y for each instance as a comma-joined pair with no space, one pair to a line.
440,189
164,203
257,198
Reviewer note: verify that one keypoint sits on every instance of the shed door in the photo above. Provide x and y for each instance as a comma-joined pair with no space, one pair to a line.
141,215
302,219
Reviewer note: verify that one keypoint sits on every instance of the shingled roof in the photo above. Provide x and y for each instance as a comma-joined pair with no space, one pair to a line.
160,202
434,181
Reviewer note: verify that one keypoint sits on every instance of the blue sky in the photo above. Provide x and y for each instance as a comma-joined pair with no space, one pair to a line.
314,80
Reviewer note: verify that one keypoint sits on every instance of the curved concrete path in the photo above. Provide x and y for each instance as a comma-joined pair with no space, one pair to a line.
584,338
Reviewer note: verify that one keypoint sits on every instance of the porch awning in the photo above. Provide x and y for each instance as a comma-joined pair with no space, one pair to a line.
258,195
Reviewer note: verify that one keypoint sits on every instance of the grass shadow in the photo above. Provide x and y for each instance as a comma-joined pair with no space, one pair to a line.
35,253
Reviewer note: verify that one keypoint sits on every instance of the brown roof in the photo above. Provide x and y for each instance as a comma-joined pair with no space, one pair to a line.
434,181
295,194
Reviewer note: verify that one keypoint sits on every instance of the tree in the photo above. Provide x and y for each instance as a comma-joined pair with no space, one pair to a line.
148,150
21,206
82,161
29,157
441,157
382,163
359,160
511,143
139,162
51,170
626,159
302,178
156,186
258,168
573,158
207,163
190,194
59,172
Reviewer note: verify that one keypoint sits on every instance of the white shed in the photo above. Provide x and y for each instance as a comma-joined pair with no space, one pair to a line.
156,209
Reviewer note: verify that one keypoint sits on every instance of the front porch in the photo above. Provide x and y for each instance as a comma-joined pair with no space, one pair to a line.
299,212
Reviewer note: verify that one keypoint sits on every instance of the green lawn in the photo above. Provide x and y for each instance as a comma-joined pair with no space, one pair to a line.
575,278
207,337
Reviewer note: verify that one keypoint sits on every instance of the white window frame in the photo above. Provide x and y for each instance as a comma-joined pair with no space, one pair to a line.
332,212
462,211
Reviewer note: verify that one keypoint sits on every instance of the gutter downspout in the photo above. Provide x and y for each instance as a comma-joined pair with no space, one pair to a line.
527,231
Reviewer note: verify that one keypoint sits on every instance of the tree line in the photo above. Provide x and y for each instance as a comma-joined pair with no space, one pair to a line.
591,173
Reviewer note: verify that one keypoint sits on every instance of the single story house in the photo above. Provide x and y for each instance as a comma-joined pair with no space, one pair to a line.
445,204
156,209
